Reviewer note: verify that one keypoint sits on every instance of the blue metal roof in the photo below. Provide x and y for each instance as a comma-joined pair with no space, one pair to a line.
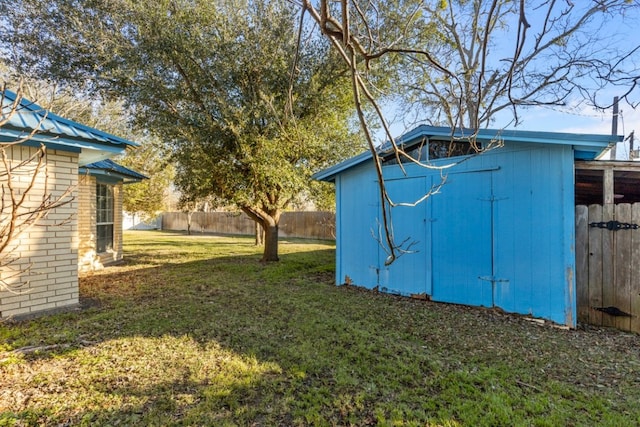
55,131
112,169
586,146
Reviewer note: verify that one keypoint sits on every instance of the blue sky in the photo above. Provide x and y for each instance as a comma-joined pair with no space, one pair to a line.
578,117
619,31
587,120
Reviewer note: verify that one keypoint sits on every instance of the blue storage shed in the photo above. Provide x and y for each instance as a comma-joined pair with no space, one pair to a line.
499,233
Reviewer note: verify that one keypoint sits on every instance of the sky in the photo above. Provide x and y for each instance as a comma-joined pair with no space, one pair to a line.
581,119
578,117
587,120
621,31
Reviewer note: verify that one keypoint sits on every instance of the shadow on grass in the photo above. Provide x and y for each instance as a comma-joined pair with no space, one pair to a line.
247,337
196,336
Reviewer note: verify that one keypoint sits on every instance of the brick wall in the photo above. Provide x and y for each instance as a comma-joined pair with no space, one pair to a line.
44,274
87,257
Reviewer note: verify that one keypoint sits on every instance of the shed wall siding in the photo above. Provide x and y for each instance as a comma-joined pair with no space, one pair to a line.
47,253
356,219
497,234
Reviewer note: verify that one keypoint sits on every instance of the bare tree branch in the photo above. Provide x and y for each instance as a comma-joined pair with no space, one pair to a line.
26,198
443,54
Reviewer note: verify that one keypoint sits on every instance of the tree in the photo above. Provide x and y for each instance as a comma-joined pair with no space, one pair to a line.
250,102
26,195
462,62
559,49
147,198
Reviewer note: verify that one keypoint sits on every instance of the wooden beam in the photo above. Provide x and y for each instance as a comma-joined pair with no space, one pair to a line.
602,165
607,186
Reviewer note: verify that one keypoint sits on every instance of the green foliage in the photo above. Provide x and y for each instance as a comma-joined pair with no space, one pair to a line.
148,197
248,110
193,330
145,198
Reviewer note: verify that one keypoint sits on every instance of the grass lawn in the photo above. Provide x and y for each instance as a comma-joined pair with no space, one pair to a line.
193,330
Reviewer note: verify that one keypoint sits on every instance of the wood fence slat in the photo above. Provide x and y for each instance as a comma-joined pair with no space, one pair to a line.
634,288
608,267
622,260
313,225
595,265
582,263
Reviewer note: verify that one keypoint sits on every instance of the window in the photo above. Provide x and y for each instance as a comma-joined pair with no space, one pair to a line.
104,217
432,150
444,149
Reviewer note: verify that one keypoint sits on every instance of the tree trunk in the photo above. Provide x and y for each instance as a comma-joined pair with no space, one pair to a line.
270,253
268,222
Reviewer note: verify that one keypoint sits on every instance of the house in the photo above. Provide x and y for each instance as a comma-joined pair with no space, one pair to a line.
100,226
499,232
83,234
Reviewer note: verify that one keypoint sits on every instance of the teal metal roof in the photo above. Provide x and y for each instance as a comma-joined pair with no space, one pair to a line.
109,168
586,146
56,132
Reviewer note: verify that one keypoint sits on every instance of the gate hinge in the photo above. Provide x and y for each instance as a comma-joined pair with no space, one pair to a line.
614,225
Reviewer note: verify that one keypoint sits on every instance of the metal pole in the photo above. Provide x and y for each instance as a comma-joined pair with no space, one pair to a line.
614,126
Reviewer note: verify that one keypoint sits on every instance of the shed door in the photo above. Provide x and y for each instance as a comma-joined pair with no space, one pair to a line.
408,274
462,239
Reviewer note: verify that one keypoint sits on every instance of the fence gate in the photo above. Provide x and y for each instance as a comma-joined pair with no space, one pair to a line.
608,265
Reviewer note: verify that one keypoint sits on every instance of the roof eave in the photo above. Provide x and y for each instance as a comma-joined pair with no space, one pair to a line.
583,143
328,174
109,168
126,179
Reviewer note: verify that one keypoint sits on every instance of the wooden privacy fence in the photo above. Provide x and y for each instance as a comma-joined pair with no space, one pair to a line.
310,225
607,265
